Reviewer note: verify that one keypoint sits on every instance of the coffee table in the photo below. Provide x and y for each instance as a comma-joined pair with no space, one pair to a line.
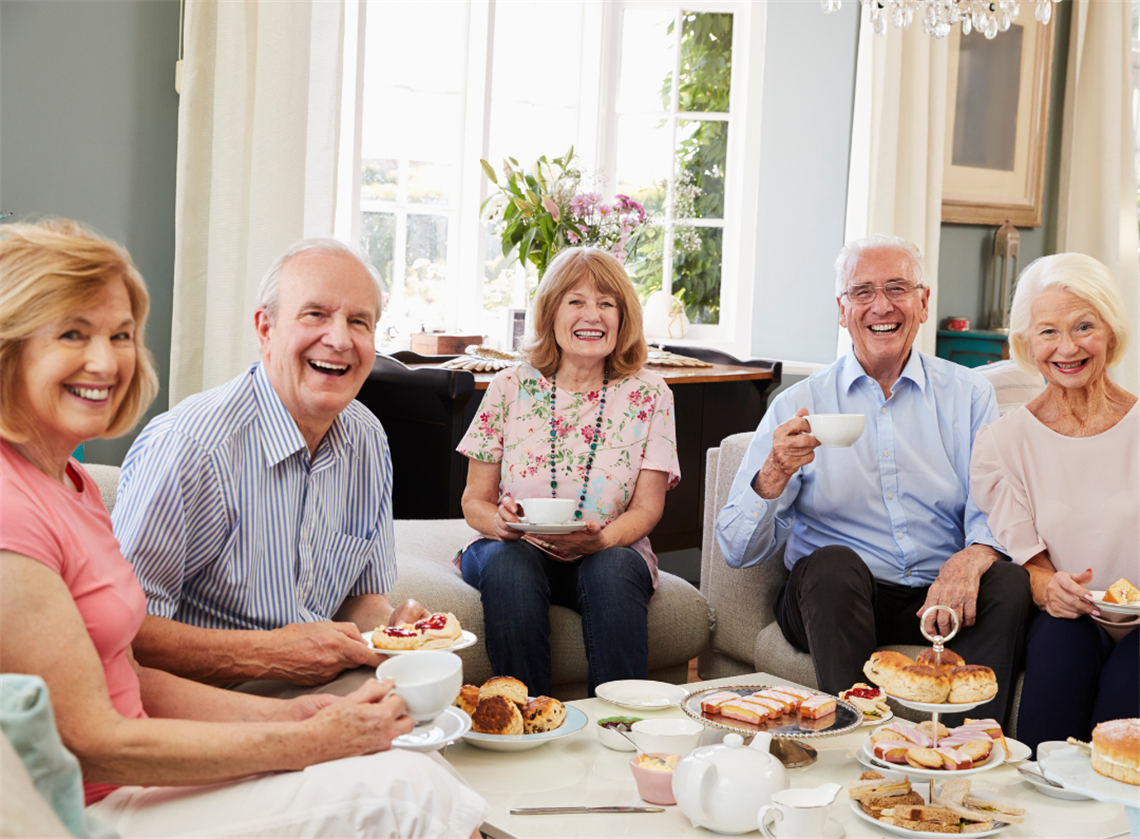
578,770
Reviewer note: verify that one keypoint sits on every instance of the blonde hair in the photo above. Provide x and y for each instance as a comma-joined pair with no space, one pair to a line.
1087,278
601,270
49,269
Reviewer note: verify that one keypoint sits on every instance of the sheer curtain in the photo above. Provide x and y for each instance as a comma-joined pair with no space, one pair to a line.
257,155
1097,204
897,141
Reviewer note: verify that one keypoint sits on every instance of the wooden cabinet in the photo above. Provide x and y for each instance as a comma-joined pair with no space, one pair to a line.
974,348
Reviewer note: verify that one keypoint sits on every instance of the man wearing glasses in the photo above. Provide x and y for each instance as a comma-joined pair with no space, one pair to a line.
877,532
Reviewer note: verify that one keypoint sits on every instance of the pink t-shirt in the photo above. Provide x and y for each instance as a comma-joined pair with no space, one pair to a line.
70,533
512,428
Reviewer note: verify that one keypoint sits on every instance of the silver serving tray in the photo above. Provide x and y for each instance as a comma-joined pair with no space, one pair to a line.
846,717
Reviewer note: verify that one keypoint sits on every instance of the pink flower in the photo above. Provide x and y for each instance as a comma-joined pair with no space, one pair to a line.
643,416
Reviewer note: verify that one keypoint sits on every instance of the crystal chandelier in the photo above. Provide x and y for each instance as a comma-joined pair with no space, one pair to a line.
987,16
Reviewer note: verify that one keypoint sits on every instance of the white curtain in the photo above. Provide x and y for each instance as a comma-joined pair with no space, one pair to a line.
897,141
1097,202
257,144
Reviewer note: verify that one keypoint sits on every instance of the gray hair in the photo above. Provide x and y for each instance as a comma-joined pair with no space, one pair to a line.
269,292
1087,278
849,257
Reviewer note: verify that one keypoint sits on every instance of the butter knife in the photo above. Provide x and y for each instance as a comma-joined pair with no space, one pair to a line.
548,811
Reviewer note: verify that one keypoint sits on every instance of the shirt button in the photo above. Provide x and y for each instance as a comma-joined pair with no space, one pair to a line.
890,495
885,453
908,572
899,535
884,410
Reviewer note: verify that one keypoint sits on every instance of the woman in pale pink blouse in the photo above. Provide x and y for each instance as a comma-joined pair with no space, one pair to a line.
1059,479
579,420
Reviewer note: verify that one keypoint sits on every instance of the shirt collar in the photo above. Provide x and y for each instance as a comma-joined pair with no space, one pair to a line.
853,371
281,438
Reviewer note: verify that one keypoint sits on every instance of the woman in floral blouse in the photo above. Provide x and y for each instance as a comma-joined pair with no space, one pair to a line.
580,419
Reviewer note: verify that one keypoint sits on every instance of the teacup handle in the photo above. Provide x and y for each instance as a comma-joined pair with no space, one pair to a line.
762,819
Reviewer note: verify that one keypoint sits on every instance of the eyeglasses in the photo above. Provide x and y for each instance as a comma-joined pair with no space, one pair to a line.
895,290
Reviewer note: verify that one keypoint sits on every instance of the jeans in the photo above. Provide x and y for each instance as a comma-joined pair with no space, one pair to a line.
519,583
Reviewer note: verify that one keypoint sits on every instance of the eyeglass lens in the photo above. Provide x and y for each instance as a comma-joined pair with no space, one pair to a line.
893,291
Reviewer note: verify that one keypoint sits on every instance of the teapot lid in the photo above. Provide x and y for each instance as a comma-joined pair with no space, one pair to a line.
731,754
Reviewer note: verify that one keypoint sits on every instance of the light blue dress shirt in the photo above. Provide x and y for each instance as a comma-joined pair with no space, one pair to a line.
228,523
899,497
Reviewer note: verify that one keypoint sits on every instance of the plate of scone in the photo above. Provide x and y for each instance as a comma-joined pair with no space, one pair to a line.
435,632
935,681
506,718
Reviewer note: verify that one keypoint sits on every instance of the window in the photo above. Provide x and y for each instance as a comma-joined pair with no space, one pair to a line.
658,99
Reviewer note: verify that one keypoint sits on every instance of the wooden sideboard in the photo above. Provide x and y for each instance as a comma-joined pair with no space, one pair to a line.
426,410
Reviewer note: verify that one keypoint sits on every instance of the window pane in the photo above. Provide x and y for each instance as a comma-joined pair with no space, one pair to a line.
647,58
429,183
644,265
379,180
378,236
426,273
706,61
697,274
702,149
643,159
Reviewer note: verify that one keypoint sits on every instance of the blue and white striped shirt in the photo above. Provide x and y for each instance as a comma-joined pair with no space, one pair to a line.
230,526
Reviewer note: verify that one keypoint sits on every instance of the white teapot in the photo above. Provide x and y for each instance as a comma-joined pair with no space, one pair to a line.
722,787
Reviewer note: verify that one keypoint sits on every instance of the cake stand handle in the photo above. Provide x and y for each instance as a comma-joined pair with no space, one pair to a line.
938,640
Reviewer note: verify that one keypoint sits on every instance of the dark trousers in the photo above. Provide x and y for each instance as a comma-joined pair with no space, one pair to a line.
1075,677
832,608
518,583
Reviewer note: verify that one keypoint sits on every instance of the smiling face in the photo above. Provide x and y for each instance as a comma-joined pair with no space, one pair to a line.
74,371
319,347
1068,340
883,331
586,325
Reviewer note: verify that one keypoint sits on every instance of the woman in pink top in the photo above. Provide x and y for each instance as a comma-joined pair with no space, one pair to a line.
73,365
1058,481
580,420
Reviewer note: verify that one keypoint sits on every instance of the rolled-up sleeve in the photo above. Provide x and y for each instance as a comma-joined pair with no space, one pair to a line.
750,529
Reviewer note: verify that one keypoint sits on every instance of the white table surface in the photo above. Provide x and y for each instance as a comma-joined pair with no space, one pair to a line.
578,770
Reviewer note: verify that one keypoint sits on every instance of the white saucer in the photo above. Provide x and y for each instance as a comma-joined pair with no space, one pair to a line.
831,830
884,718
1045,789
547,529
448,726
465,640
641,694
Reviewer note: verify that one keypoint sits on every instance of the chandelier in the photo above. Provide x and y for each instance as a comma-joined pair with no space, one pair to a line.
987,16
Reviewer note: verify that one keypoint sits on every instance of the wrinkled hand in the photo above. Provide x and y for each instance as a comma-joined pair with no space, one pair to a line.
509,510
409,611
302,707
365,721
315,653
1067,597
793,446
588,541
957,587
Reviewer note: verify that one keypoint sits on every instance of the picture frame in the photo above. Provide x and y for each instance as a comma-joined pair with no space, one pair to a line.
997,125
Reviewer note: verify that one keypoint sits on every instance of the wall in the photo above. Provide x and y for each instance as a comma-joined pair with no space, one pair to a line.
88,130
805,139
967,249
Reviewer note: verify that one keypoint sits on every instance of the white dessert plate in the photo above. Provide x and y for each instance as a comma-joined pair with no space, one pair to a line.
575,721
996,758
448,726
857,809
547,529
1045,789
641,694
1118,608
879,720
939,707
465,640
1018,751
1074,770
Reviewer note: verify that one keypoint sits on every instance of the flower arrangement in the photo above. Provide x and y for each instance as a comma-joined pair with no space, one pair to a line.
542,212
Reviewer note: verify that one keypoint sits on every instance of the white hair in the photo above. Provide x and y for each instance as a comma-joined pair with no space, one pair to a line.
1087,278
849,257
269,292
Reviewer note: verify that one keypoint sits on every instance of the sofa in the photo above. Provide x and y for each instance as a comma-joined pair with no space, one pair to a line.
680,621
746,637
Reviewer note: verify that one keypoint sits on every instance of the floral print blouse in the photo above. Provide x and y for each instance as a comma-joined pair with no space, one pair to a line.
513,425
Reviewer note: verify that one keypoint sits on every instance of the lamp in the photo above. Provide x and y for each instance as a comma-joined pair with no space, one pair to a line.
1003,276
987,16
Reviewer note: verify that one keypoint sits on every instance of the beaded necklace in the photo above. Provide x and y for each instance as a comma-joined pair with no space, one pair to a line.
593,441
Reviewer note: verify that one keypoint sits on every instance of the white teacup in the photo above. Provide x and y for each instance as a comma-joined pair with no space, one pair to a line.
836,429
547,510
428,681
667,736
799,813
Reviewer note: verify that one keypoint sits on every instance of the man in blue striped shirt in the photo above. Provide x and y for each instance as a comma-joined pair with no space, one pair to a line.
880,531
258,514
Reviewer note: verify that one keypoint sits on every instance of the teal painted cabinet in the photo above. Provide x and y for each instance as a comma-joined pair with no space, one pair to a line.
974,348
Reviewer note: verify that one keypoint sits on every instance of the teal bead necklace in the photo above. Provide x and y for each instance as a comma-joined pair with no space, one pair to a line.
593,441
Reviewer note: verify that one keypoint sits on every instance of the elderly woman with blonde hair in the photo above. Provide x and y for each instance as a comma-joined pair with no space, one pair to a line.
580,420
73,365
1058,479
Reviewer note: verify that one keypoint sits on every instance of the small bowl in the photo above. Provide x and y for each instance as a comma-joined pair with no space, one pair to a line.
653,785
611,739
670,736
